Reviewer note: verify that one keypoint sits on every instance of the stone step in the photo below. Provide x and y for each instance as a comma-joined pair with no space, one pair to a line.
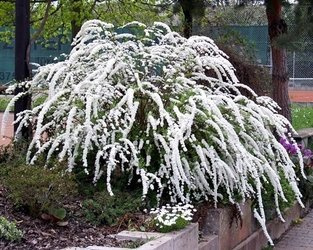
304,137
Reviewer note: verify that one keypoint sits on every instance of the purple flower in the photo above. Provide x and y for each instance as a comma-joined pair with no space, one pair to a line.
307,153
290,148
283,142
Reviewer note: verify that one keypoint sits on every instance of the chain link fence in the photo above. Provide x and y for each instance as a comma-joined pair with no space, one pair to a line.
253,38
40,55
300,62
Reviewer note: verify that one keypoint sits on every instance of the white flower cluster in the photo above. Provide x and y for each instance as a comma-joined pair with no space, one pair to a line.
163,109
168,215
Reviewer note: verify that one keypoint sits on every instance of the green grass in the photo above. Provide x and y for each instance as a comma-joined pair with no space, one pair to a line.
302,117
4,101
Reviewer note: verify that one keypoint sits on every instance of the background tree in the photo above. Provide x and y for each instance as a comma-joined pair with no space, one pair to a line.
7,18
63,18
277,27
300,26
190,9
235,15
22,67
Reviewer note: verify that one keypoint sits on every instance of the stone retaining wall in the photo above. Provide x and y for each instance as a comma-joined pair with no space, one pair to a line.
224,235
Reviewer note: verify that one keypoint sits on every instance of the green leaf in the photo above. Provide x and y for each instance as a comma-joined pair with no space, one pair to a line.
58,213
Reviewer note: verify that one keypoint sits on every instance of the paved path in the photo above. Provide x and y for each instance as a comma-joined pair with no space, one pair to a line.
300,237
301,95
8,132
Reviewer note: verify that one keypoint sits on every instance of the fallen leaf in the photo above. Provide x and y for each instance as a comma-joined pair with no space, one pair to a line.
45,216
62,223
46,234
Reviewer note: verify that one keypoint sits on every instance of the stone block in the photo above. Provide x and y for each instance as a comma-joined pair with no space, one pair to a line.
209,243
304,133
304,136
230,232
74,248
185,239
163,243
136,235
105,248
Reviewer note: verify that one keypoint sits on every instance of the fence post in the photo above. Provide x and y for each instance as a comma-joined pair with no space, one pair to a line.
293,68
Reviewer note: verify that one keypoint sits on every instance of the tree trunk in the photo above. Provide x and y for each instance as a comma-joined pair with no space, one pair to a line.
22,57
187,10
280,81
76,17
75,28
277,27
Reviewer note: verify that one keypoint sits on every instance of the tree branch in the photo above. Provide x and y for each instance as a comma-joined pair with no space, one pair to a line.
42,24
51,14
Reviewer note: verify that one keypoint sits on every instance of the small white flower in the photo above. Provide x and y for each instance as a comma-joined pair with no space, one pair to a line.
232,139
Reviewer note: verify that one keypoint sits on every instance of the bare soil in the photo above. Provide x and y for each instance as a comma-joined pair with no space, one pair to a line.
40,234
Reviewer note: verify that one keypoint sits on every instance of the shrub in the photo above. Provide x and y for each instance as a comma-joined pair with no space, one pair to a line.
171,218
248,71
269,196
165,110
306,185
6,153
104,209
9,231
39,189
13,154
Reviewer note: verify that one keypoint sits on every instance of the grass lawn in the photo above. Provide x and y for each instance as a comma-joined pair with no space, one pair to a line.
4,101
302,116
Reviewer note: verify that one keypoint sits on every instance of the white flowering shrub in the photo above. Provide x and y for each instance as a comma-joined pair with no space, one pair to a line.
169,218
162,109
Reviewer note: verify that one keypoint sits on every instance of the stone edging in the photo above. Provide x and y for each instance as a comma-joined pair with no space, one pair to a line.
185,239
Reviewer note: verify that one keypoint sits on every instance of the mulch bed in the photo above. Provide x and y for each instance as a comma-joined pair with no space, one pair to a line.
40,234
